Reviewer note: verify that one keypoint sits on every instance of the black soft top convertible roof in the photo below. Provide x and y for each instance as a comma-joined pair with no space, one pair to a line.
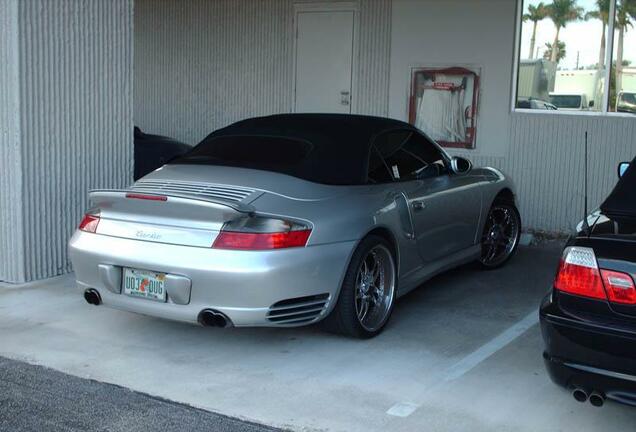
621,203
335,146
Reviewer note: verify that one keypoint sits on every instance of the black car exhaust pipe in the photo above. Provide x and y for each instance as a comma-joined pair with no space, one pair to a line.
597,399
92,297
580,395
212,318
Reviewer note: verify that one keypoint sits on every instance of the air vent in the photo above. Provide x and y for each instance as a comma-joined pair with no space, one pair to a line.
195,189
299,310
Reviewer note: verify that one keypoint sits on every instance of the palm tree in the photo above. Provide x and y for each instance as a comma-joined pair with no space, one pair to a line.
560,51
562,12
535,14
601,13
625,13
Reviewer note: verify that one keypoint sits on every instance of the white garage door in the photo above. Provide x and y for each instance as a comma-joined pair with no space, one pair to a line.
324,60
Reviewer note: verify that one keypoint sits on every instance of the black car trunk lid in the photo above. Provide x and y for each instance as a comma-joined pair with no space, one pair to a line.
614,244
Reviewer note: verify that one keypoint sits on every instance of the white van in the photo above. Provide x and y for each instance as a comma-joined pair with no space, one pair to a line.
570,101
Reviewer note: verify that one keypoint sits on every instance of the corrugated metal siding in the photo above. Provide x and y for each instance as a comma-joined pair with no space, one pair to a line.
545,159
76,117
374,61
200,65
11,225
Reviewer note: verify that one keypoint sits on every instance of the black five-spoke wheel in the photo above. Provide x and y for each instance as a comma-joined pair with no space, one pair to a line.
501,234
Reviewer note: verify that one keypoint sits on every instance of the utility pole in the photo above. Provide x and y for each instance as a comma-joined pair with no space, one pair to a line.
578,53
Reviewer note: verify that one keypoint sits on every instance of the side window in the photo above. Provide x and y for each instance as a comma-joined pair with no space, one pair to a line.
378,171
409,155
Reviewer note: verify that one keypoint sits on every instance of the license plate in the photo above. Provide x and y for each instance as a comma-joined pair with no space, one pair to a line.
144,284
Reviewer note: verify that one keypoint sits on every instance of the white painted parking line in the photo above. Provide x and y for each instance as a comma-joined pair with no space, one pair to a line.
402,409
473,359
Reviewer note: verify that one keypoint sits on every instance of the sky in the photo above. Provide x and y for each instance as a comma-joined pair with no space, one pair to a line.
583,37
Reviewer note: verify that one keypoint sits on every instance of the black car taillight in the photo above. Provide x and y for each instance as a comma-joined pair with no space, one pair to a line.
580,275
619,287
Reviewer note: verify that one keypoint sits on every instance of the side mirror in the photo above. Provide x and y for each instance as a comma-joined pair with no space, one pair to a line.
460,165
591,104
622,168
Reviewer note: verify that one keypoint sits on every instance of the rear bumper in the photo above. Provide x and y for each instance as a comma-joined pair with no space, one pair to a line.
581,354
243,285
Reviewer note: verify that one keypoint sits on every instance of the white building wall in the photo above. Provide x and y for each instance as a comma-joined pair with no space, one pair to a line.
546,161
542,152
66,100
200,65
73,99
12,263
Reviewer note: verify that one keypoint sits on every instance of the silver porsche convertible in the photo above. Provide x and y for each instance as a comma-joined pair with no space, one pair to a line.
289,220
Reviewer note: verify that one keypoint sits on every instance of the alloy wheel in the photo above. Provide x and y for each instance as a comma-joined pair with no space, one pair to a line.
375,288
501,235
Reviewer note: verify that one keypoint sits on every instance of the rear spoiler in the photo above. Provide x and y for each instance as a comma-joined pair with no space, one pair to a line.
97,194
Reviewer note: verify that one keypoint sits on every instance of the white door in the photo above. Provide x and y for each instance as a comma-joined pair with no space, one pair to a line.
324,61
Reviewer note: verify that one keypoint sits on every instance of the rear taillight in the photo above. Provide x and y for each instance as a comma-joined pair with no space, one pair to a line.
89,223
579,274
258,233
619,286
261,241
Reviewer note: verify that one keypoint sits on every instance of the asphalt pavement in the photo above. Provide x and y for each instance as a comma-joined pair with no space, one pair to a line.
35,398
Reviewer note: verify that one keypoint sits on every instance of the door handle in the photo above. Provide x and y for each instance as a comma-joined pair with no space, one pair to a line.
418,205
344,97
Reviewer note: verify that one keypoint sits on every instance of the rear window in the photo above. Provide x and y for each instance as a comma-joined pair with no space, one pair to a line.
249,151
566,101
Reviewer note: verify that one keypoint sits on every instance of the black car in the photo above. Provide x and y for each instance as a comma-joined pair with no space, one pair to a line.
588,320
154,151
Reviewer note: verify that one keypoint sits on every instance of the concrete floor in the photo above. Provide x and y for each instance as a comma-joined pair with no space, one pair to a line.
461,353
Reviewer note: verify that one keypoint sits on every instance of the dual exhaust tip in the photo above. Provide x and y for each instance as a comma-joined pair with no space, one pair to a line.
213,318
92,297
207,317
596,399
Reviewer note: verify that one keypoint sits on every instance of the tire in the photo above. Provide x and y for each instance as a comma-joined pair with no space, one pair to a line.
506,234
345,318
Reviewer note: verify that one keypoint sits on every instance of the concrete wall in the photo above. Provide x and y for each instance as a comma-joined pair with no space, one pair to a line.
200,65
73,99
542,152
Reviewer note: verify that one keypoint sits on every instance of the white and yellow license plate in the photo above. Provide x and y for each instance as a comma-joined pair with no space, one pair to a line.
145,284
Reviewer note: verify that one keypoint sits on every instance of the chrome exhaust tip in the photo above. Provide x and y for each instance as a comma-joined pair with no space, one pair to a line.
212,318
92,296
597,399
580,395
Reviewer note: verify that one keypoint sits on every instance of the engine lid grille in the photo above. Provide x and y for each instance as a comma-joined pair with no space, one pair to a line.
195,189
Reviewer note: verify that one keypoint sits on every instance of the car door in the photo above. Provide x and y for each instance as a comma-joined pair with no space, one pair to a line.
445,207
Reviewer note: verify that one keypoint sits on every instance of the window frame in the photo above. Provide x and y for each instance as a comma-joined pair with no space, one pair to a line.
609,53
373,148
455,70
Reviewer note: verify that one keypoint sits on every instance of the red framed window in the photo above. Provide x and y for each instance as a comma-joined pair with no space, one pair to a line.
443,104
